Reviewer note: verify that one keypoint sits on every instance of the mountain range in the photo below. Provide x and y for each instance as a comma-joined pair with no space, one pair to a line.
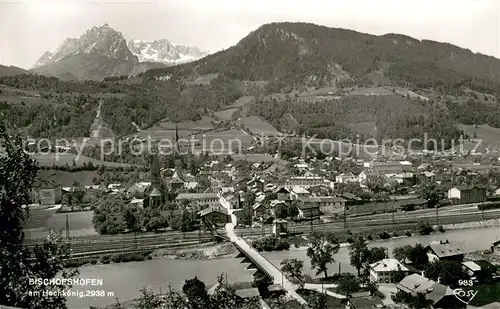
288,54
352,83
103,52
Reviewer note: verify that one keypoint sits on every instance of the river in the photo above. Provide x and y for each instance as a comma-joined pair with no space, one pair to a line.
125,280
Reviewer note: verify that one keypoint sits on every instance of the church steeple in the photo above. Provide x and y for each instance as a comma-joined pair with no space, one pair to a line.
155,172
176,145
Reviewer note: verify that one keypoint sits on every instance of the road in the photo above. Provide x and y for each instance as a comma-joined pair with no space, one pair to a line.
278,276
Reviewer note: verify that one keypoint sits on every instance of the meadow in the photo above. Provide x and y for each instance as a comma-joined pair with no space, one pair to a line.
257,125
62,159
42,219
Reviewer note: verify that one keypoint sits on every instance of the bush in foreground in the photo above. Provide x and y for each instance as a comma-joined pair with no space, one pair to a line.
271,243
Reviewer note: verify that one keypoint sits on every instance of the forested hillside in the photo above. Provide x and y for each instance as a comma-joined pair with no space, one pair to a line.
293,53
284,66
48,107
393,117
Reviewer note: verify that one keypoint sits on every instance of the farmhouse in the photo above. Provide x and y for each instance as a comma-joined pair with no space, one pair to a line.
216,215
50,195
440,296
445,250
308,211
382,271
282,194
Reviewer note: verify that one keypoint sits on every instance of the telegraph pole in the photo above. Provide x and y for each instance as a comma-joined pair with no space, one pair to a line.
251,219
67,226
393,211
437,214
345,216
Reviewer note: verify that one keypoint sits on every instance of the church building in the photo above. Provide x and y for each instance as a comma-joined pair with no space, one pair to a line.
157,193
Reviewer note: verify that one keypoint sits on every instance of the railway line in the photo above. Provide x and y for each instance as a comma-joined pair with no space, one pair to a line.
378,222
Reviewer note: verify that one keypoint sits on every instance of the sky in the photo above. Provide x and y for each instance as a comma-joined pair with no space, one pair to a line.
31,27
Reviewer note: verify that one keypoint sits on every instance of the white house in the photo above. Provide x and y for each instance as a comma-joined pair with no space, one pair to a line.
299,192
345,178
198,199
454,193
382,271
307,182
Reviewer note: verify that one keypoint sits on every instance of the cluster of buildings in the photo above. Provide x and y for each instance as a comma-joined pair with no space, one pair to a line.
415,282
310,186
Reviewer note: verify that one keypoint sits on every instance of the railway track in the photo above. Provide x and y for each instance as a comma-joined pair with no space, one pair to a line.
366,223
101,243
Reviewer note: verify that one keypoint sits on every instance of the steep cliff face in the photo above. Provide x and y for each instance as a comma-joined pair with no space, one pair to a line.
102,52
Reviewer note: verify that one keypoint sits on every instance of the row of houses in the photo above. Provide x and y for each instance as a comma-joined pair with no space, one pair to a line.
415,282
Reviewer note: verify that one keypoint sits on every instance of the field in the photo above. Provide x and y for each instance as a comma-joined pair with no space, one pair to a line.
42,220
225,114
205,123
489,136
203,80
343,148
64,178
369,128
255,157
242,101
166,129
62,159
370,91
257,126
224,140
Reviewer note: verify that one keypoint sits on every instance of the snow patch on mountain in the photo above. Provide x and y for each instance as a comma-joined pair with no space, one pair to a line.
164,51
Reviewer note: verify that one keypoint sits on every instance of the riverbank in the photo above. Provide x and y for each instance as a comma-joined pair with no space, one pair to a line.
211,250
203,252
473,225
206,251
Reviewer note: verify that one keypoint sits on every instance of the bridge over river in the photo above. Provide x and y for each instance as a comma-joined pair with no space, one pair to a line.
255,258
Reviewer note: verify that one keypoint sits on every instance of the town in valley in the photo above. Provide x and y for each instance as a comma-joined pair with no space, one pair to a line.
305,166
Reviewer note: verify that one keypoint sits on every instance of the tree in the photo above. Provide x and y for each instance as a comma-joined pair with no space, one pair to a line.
316,301
415,254
133,218
174,300
322,248
245,215
449,272
420,302
418,255
376,254
397,275
349,284
18,263
224,296
432,193
195,291
148,300
359,253
293,270
78,195
424,227
117,305
108,216
401,253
